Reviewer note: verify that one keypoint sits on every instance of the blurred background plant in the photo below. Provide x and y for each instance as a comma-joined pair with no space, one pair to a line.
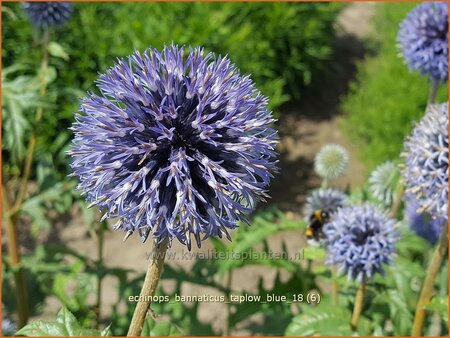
288,48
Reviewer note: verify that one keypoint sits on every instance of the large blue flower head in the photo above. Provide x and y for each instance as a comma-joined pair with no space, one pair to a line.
421,223
48,14
329,200
423,37
426,159
178,144
360,239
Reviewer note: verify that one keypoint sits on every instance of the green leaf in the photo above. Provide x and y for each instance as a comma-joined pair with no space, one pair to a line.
322,320
160,329
66,318
66,325
440,305
47,75
313,253
106,332
55,49
41,328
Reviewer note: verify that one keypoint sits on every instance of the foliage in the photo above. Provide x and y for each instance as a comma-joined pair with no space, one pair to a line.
385,91
66,325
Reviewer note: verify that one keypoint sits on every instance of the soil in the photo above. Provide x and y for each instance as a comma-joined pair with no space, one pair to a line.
304,126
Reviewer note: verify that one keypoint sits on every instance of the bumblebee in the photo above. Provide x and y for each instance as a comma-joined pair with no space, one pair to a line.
317,220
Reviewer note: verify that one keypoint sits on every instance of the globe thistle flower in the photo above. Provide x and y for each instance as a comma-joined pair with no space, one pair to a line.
421,223
8,327
331,162
329,200
383,181
423,37
48,14
426,161
177,144
360,239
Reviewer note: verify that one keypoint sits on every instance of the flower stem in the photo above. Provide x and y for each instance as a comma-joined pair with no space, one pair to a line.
397,201
428,284
32,143
334,286
148,289
433,91
100,241
14,256
359,300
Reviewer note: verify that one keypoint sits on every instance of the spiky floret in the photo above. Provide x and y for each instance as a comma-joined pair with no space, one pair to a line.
360,239
422,223
383,181
48,14
331,162
426,161
423,38
329,200
178,144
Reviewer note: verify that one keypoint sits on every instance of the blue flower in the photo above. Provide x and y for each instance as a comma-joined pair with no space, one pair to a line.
423,37
48,14
359,240
177,144
426,158
329,200
421,223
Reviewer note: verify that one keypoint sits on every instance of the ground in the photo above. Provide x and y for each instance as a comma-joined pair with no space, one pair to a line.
304,127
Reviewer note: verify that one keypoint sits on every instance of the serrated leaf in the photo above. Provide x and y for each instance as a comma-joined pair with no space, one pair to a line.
66,318
55,49
66,325
41,328
153,328
106,332
322,321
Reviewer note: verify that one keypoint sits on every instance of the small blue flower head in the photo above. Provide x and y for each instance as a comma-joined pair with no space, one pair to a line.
421,223
426,162
383,181
329,200
178,144
423,37
331,162
360,239
48,14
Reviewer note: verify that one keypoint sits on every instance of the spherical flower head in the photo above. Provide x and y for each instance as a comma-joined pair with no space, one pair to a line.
426,162
360,239
383,181
421,223
178,144
331,162
329,200
8,327
423,37
48,14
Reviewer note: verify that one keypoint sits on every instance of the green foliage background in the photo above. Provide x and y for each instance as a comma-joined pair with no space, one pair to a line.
386,96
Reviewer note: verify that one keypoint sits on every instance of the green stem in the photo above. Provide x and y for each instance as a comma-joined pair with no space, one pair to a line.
433,91
334,285
427,288
32,143
397,201
14,260
148,289
100,242
357,310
